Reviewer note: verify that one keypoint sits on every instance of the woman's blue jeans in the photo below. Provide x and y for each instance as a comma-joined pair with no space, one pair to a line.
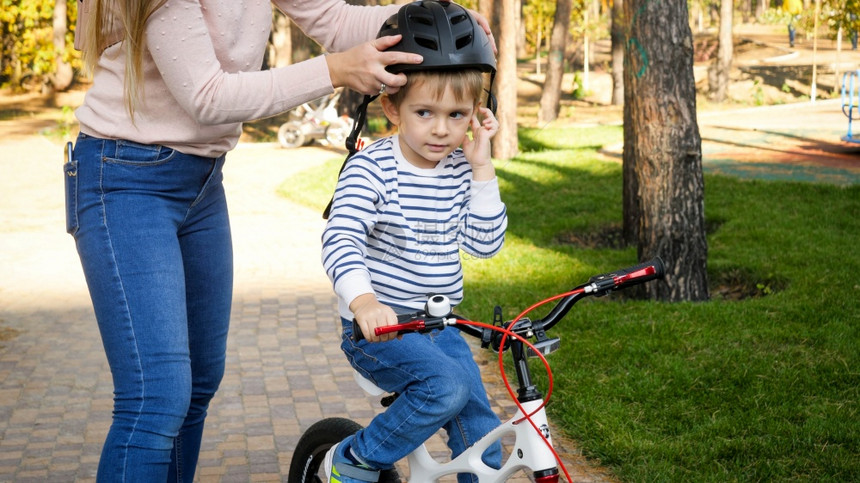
153,235
440,386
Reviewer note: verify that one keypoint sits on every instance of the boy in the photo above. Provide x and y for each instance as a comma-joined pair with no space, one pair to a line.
403,209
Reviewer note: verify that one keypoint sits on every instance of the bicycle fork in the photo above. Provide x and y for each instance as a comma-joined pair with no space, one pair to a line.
537,445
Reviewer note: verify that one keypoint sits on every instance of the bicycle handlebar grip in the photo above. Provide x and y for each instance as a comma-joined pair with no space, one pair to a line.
644,272
627,277
357,334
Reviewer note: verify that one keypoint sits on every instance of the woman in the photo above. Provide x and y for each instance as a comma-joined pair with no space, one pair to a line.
172,82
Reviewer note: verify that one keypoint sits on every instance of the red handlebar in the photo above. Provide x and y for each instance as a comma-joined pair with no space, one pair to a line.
597,285
414,325
644,272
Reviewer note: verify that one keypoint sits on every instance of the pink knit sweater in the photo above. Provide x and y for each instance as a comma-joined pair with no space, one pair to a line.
202,75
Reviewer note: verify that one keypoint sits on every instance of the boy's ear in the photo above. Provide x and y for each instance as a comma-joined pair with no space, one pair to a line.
390,110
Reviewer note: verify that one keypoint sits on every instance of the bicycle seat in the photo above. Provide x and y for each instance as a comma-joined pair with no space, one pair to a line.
368,385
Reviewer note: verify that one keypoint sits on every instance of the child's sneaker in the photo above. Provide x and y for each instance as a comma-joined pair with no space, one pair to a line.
340,468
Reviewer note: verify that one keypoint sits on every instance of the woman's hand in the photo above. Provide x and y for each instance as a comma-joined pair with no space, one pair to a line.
482,21
362,68
478,150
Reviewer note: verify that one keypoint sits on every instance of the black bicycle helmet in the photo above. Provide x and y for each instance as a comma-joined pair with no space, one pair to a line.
444,33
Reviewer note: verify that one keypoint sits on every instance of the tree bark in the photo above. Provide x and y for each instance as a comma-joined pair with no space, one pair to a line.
718,72
506,142
663,184
550,98
617,36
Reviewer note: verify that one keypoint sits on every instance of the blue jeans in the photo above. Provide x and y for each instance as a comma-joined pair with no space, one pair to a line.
153,235
440,387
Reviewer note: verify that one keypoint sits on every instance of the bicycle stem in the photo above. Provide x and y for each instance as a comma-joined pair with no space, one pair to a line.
526,390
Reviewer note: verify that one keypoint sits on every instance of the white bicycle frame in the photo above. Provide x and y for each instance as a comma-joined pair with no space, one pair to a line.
530,451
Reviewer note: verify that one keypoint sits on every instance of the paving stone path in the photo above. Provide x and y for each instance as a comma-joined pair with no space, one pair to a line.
284,368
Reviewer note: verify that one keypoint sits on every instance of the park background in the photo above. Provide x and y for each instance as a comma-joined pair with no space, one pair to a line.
760,383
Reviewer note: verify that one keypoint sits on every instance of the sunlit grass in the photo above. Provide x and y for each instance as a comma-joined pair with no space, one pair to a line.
765,388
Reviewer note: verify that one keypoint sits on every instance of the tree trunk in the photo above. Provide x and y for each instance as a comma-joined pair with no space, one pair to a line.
617,35
550,98
700,17
281,49
663,184
63,73
718,73
505,142
487,9
760,8
714,13
521,30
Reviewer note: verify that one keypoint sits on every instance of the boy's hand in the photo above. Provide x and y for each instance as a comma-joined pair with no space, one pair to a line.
477,149
369,313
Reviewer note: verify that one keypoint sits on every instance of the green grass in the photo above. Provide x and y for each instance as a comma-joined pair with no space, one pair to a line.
760,389
313,187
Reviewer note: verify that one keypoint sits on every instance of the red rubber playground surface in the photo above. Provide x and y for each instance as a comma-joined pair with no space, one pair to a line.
790,142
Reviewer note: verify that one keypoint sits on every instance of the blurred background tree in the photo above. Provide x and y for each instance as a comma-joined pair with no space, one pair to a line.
36,49
36,36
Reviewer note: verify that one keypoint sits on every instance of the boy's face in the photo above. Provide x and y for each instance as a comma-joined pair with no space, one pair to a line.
429,128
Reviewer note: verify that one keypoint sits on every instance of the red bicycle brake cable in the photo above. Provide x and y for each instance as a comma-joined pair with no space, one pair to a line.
509,331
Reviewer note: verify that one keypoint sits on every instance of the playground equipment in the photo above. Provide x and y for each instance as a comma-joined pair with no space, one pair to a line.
851,102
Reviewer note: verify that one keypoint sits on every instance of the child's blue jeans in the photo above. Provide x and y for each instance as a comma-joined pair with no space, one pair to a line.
440,387
153,235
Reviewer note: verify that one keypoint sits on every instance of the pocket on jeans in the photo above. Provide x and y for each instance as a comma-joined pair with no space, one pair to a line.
70,173
136,154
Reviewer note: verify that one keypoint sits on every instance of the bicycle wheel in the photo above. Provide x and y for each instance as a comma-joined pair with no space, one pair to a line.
307,463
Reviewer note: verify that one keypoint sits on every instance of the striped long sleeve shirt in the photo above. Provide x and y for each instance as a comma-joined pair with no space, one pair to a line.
397,231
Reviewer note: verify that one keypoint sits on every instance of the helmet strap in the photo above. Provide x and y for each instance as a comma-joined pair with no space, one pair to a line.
492,102
360,118
352,141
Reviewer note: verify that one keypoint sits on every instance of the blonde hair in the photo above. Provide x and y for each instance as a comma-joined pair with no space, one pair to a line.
107,22
464,84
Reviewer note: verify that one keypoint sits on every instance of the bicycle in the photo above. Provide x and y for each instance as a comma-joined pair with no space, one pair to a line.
532,449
